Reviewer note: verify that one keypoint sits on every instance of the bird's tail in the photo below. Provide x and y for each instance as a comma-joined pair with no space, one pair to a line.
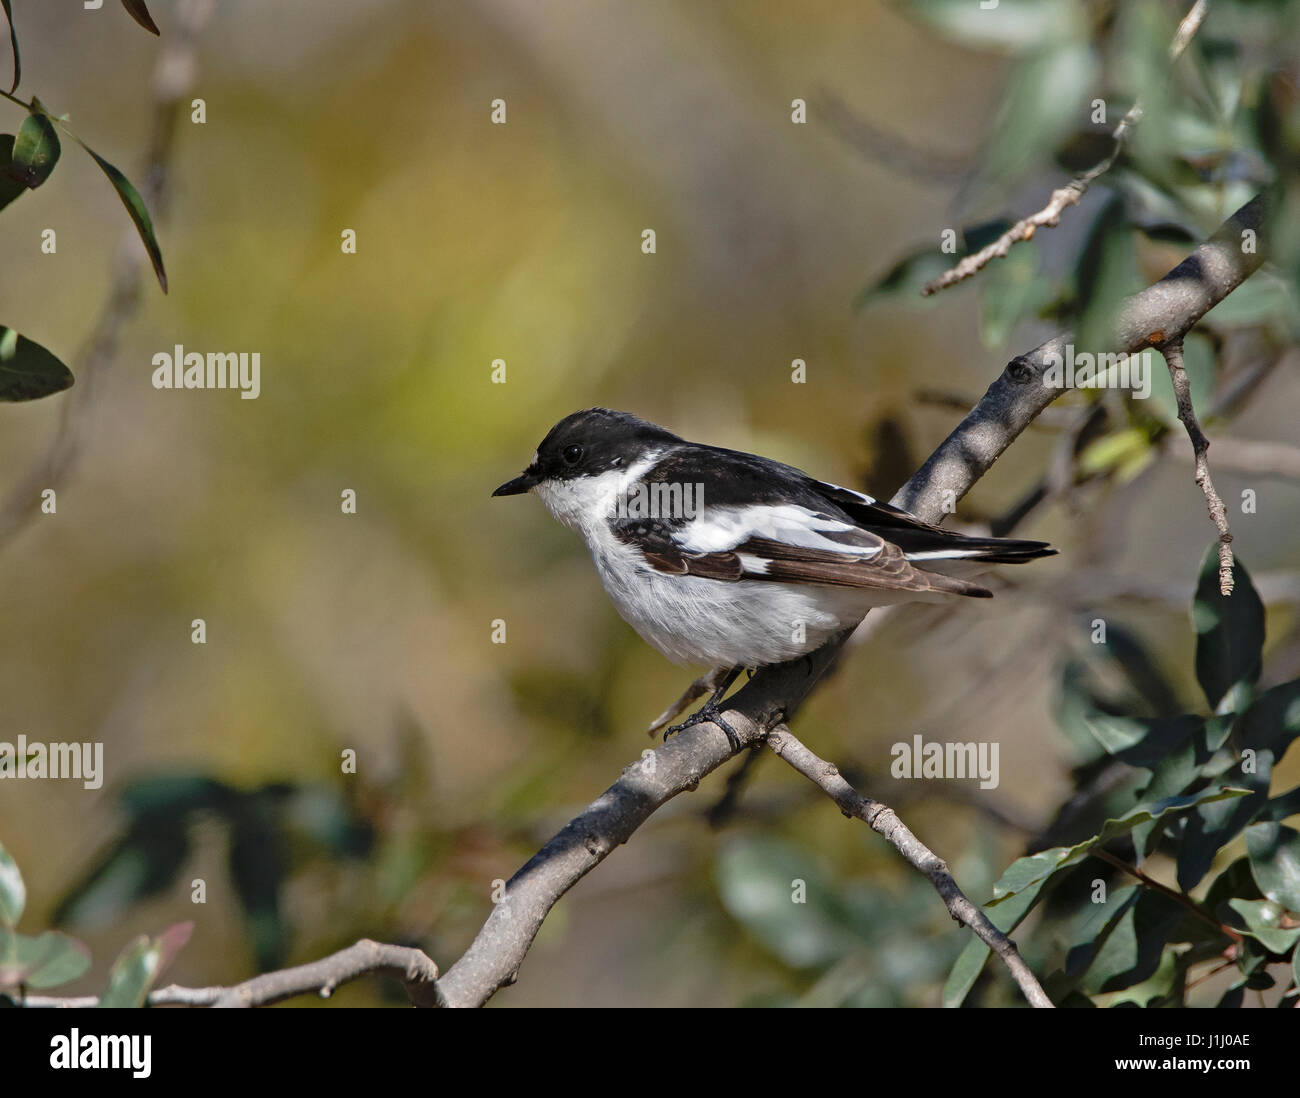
922,546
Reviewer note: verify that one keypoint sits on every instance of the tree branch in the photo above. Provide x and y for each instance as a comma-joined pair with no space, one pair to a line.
417,971
1148,319
1173,352
884,821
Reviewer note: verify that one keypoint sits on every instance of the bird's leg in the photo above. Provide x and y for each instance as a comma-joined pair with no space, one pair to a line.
700,686
723,678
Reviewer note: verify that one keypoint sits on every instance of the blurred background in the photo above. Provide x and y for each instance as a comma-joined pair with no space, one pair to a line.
373,632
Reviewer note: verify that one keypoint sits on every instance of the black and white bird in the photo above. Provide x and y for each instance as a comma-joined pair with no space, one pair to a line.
731,560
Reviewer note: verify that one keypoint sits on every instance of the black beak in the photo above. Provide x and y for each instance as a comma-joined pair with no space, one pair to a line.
524,482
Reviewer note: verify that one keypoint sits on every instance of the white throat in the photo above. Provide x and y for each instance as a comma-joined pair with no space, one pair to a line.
585,504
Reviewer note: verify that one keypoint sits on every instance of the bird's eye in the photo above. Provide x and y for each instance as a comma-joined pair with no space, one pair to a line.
572,455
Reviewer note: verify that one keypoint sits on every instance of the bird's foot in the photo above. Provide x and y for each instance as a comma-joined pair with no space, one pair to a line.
705,684
708,713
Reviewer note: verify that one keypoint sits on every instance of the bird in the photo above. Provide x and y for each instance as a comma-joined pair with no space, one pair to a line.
733,561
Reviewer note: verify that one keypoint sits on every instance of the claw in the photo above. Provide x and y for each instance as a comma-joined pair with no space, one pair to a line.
705,684
708,713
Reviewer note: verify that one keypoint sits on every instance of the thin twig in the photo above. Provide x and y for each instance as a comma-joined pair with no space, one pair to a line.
883,820
1173,352
416,970
1179,898
1072,192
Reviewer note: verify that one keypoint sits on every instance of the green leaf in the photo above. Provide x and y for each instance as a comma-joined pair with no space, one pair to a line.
1126,451
1264,298
27,370
1162,987
1229,630
142,863
1141,741
1266,922
13,893
1006,916
1107,273
139,214
1044,99
1093,930
1235,881
1272,720
64,959
1140,56
756,878
138,12
1011,290
965,971
1037,869
1133,948
259,869
52,959
178,793
10,186
13,42
1212,826
133,974
1274,851
36,150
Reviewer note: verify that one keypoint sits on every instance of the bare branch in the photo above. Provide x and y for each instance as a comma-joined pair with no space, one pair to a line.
492,960
1148,319
417,971
1072,192
883,820
1173,352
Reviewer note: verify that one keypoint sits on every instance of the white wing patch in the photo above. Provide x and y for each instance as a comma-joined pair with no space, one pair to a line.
725,528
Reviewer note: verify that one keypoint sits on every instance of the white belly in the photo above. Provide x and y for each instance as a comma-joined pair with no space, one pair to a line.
717,623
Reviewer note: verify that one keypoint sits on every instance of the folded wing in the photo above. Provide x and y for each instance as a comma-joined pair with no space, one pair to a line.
802,530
